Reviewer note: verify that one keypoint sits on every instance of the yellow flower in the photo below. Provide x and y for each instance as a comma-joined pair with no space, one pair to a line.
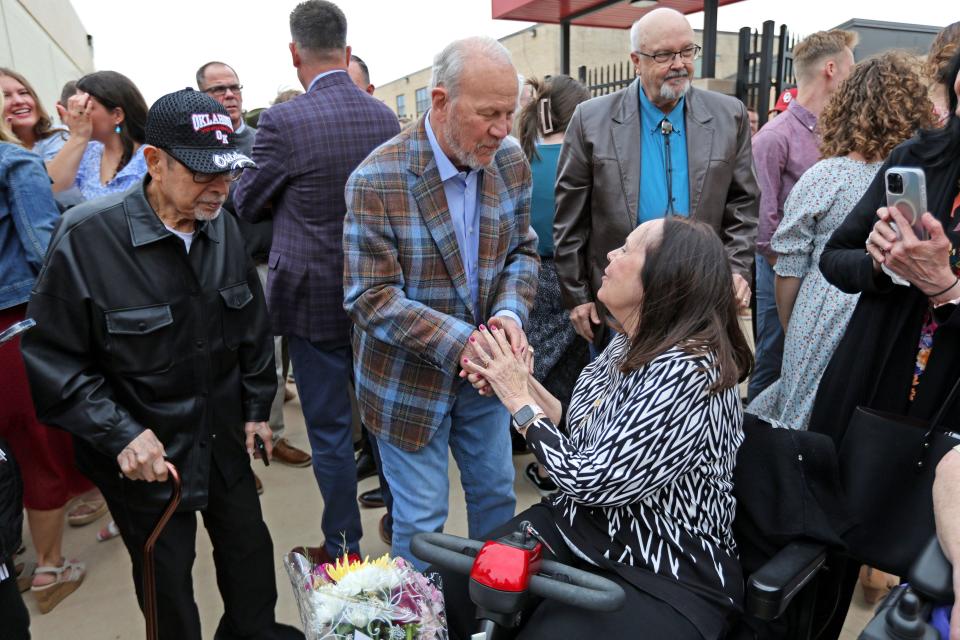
343,566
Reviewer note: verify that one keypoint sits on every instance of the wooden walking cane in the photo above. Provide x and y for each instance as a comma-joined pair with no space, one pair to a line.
149,573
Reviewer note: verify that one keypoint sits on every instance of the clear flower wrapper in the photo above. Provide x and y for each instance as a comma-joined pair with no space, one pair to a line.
382,599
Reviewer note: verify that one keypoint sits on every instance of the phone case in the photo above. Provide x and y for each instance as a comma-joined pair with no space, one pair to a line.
912,203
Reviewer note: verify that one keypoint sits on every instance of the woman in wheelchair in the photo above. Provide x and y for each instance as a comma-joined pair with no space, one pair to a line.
645,475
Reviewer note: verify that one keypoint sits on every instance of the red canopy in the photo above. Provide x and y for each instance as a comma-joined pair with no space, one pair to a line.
589,13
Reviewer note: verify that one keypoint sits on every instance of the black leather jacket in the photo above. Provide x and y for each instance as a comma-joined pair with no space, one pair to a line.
134,333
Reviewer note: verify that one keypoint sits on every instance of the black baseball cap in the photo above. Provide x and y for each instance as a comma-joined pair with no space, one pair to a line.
196,130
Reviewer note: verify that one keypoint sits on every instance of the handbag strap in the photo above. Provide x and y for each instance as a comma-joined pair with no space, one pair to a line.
938,418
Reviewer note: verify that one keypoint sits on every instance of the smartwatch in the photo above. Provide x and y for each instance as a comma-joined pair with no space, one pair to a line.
525,416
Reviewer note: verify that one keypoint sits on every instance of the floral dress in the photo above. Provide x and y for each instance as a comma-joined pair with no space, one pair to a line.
818,203
88,173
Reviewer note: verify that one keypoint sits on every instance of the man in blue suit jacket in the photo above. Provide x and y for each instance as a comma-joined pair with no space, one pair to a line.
305,150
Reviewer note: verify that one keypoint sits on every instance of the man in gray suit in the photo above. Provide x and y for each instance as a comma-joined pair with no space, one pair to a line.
657,148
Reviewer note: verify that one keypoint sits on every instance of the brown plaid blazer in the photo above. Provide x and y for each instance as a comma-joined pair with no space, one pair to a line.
404,284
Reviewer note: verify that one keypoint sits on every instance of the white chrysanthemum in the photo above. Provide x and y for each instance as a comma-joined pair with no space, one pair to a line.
368,578
327,605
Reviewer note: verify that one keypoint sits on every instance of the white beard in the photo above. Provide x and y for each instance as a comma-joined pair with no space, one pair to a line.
201,215
668,92
469,158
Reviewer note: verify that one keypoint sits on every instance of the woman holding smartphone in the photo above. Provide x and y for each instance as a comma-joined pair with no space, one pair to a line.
900,351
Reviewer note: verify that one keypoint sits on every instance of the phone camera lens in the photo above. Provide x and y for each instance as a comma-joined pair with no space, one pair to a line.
895,183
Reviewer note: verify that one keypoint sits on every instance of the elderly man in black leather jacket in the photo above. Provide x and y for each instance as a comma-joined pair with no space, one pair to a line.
152,342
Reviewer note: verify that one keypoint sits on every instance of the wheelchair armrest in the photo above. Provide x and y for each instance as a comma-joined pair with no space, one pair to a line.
771,588
932,574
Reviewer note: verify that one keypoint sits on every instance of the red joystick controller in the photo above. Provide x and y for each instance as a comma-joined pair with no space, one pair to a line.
500,576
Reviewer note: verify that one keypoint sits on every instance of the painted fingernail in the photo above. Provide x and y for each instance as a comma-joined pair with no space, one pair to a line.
483,327
472,339
465,361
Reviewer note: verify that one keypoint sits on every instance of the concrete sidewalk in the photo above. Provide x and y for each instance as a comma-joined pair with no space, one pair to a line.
105,608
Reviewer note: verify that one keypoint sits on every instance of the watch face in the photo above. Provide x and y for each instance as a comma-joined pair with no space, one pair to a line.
524,415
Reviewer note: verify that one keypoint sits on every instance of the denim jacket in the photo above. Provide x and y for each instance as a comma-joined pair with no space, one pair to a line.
28,214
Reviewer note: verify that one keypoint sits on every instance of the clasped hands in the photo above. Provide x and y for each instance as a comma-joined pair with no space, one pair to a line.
498,360
923,263
144,457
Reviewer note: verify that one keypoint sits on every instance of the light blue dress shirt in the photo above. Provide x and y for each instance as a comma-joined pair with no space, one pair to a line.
653,166
462,191
323,75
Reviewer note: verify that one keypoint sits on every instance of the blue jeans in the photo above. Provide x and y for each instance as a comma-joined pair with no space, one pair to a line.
322,377
769,339
477,431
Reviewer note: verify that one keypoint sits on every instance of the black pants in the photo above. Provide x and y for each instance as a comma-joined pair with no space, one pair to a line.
642,615
14,618
242,555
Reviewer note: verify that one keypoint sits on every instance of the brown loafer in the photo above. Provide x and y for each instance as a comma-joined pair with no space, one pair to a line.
286,453
386,533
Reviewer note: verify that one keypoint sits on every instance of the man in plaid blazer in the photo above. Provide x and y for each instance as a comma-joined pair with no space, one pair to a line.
306,148
437,240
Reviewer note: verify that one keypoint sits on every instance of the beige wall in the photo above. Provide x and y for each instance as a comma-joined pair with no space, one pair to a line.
45,41
536,53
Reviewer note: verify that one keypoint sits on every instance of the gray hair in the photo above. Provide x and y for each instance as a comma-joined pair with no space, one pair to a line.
635,37
449,64
318,26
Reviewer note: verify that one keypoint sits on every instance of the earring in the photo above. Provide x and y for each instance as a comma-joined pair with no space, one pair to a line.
116,129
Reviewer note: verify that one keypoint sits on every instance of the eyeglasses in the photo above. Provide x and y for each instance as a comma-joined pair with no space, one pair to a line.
221,89
689,54
206,178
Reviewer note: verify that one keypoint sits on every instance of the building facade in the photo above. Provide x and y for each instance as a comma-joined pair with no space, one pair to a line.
45,41
536,53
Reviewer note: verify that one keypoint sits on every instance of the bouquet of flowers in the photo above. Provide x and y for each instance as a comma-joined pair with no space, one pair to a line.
382,599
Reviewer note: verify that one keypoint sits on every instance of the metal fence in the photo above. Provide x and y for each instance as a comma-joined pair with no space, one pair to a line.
606,79
764,66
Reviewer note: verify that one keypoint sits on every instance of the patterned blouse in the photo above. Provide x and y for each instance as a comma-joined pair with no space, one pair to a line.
650,459
88,173
925,347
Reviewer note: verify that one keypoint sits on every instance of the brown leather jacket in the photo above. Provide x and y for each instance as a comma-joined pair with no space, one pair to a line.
598,183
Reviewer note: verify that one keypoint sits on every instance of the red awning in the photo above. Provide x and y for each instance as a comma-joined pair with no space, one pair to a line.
618,15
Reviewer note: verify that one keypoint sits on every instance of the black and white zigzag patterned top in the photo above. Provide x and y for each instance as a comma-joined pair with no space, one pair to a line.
650,458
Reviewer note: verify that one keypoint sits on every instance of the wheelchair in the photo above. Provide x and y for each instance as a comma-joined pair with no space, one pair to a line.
906,612
504,572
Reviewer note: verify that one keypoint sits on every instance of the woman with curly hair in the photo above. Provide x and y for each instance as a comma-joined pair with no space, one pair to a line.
881,104
936,68
900,354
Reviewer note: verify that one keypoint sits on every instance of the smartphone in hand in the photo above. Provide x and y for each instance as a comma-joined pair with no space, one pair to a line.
907,192
261,448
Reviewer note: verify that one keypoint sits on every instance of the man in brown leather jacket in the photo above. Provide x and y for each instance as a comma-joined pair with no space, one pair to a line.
658,147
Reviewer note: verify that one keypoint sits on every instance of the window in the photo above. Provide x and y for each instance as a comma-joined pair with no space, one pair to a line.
423,100
401,105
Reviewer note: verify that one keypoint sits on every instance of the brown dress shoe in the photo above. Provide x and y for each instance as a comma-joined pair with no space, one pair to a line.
287,454
385,531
